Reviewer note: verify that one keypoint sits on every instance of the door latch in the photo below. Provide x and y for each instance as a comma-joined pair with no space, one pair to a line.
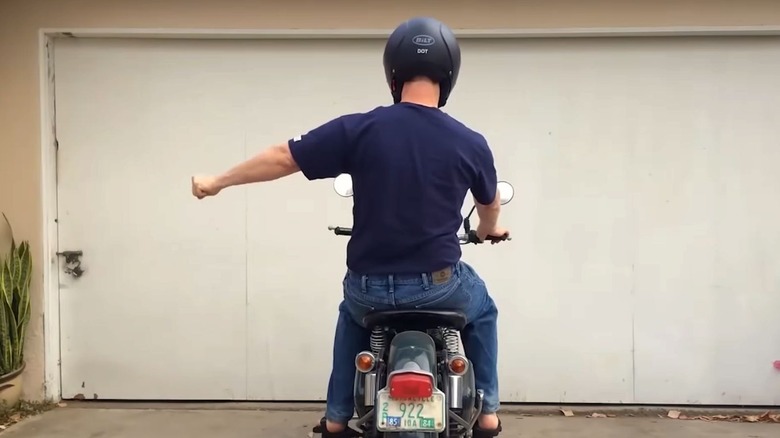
72,262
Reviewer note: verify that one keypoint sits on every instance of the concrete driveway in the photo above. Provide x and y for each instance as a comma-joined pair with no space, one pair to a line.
97,421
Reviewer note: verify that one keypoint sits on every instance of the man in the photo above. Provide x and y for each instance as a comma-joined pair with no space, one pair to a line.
412,166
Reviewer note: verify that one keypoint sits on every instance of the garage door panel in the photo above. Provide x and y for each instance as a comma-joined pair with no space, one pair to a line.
159,311
295,265
563,283
703,235
292,306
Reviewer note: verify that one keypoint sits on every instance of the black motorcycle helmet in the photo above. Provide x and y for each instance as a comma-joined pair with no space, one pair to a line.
422,46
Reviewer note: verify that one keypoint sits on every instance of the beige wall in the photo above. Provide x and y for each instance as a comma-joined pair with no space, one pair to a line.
20,21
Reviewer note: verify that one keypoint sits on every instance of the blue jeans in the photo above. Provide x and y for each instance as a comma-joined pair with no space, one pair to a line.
464,291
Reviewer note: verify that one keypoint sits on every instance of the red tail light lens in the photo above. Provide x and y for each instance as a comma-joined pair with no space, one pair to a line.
410,385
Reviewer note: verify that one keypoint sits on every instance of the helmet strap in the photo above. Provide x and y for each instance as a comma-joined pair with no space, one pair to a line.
396,90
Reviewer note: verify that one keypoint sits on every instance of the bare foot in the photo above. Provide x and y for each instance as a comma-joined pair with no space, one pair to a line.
488,421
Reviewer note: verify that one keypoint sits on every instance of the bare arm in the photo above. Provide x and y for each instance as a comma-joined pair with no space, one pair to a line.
488,214
321,153
270,164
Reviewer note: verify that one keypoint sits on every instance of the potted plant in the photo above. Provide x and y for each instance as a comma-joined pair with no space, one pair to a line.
15,276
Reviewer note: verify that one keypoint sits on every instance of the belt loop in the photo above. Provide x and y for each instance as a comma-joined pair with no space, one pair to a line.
363,282
426,283
390,283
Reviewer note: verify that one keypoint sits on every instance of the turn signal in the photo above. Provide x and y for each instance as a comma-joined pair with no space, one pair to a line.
364,362
458,365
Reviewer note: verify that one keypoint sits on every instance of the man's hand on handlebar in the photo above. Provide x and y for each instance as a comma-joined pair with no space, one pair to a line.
471,237
495,234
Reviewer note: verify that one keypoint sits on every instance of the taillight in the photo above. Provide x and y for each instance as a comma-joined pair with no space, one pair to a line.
410,385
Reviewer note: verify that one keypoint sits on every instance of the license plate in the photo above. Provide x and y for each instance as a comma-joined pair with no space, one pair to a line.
410,415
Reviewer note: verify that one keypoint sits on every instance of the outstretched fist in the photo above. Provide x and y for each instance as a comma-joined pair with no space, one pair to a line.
203,186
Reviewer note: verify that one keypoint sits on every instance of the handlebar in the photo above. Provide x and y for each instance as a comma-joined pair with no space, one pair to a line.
465,238
341,231
471,237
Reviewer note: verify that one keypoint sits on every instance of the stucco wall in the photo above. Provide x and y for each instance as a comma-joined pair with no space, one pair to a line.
20,21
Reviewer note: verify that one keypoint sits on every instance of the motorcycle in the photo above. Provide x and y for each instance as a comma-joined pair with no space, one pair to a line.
414,382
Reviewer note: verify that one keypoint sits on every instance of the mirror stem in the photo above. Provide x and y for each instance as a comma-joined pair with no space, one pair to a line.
467,221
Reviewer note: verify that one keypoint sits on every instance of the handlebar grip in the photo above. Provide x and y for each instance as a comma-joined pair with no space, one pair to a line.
471,237
341,231
496,239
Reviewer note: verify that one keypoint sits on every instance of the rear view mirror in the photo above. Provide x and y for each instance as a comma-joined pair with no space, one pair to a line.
343,185
506,192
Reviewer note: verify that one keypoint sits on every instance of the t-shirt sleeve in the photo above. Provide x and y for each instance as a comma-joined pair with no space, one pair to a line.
324,151
485,181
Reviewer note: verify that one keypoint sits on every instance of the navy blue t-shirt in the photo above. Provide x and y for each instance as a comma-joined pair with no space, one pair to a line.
411,168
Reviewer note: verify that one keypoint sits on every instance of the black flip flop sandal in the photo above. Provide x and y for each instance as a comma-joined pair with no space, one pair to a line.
346,433
486,433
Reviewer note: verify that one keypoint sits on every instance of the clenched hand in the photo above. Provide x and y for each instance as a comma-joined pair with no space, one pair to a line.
484,233
203,186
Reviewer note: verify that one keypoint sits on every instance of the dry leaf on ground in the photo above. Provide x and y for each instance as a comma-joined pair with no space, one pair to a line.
770,418
766,417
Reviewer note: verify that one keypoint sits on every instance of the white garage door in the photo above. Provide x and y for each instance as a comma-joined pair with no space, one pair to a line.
644,266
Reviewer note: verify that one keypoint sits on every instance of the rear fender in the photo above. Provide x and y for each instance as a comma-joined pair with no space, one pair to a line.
412,351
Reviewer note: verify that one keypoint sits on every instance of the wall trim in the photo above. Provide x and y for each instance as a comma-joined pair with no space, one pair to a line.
50,268
383,33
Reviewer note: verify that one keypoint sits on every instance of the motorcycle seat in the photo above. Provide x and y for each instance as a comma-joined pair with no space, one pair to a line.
416,319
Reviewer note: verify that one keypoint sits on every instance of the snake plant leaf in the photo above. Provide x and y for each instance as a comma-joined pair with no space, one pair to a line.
6,283
6,346
22,301
13,337
6,237
23,277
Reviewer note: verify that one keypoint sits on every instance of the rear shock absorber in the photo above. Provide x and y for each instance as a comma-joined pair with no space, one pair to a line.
377,341
451,340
